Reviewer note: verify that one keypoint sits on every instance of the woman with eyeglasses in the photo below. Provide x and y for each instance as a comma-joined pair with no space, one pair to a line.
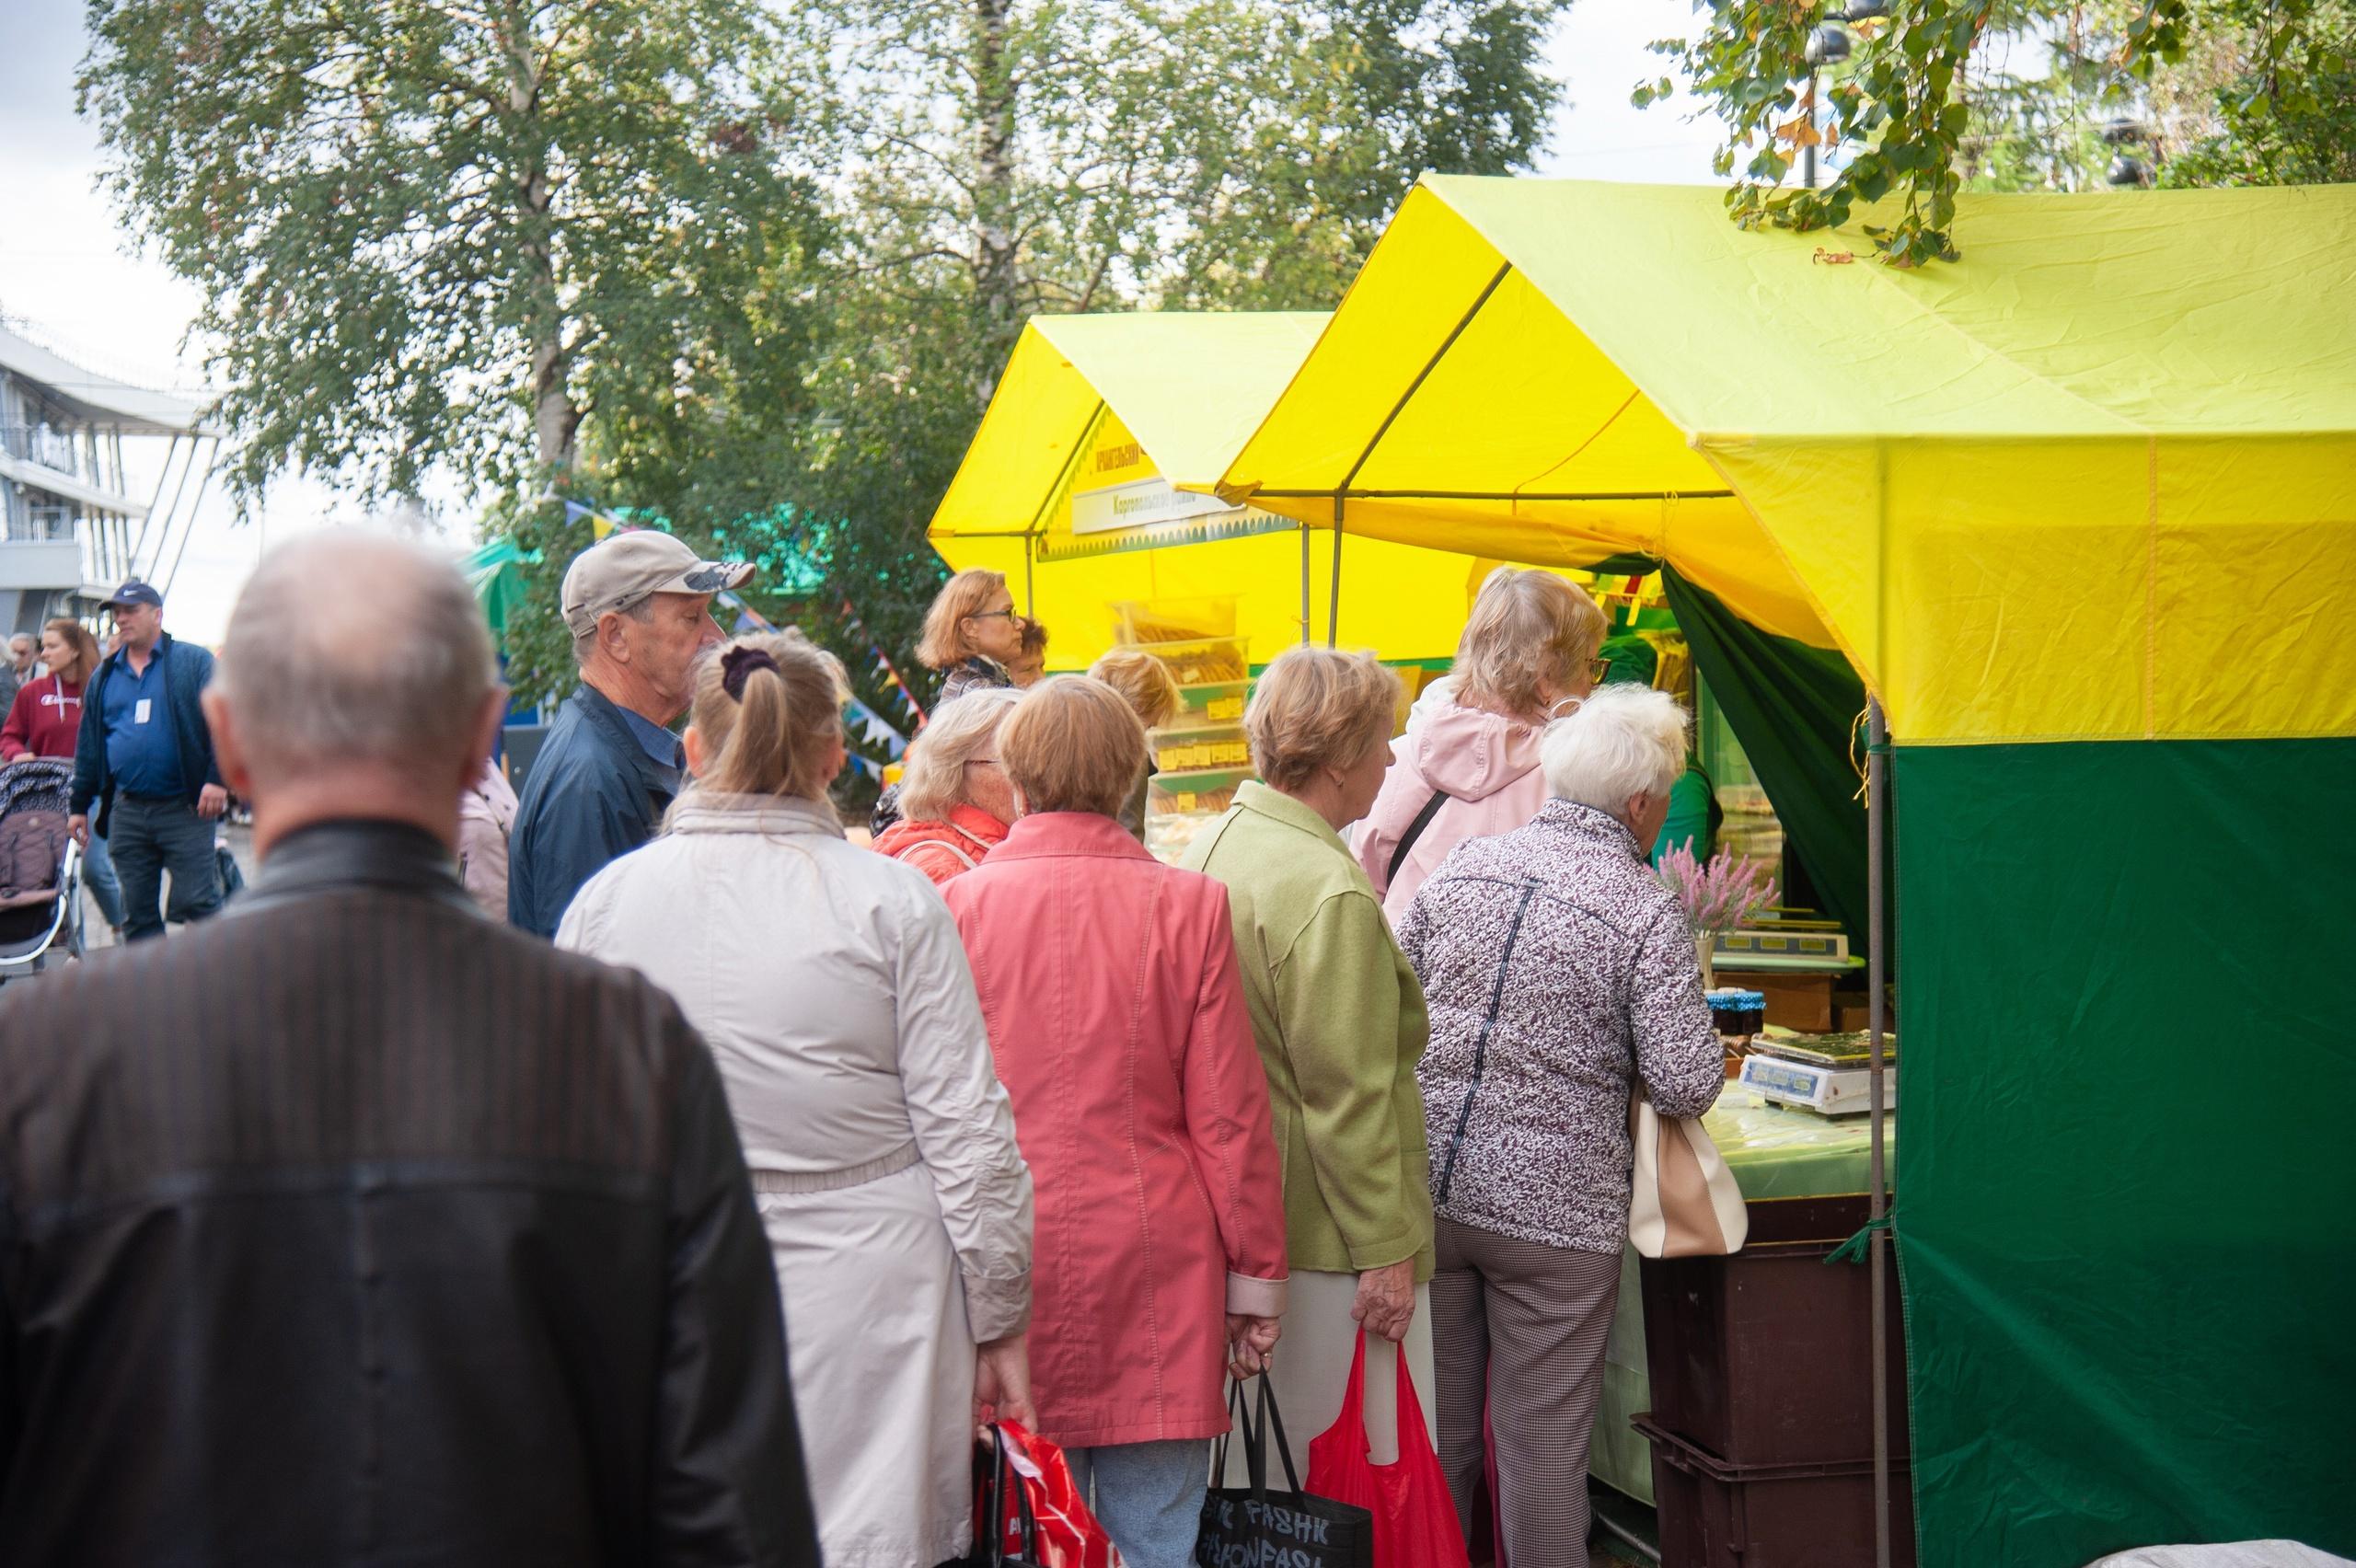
835,994
971,634
956,802
1467,766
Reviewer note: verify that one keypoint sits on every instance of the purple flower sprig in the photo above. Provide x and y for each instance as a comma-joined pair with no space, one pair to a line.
1719,896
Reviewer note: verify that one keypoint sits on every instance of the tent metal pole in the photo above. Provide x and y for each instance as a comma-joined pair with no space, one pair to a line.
1304,583
1030,597
1876,833
1333,599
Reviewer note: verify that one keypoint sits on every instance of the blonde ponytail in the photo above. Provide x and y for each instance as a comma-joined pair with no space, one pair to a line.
771,733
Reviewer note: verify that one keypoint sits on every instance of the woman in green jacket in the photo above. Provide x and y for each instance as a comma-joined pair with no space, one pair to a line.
1340,1023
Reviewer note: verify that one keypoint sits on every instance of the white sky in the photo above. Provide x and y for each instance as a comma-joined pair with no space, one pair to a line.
67,265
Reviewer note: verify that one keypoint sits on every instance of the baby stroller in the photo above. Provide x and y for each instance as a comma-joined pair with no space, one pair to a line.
40,869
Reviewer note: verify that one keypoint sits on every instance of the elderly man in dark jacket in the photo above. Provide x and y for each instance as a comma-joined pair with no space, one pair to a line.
355,1228
639,607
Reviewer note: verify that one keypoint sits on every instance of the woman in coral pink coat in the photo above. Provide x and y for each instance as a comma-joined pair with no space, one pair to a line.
1115,1010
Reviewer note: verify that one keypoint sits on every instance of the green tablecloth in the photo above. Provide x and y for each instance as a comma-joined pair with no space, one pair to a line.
1774,1153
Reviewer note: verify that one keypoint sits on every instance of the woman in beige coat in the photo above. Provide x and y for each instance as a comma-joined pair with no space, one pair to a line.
831,986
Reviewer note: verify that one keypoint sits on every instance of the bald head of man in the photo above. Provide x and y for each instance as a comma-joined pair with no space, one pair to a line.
357,682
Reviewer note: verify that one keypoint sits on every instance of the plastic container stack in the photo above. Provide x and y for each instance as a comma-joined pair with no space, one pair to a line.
1762,1423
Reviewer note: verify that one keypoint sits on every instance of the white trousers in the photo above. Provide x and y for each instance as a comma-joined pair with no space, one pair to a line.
1311,1371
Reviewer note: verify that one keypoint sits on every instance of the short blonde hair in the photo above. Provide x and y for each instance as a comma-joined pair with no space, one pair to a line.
1529,629
1144,682
935,779
1318,707
943,643
770,736
1072,744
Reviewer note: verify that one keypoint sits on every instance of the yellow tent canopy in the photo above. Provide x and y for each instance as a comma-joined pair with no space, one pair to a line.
2044,492
1068,489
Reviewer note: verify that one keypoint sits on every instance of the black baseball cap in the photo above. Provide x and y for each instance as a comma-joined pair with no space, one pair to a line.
133,593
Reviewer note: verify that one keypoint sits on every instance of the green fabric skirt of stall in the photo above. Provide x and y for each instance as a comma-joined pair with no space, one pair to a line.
2128,1241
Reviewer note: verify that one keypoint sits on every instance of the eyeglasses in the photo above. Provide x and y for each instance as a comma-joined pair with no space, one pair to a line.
991,614
1596,670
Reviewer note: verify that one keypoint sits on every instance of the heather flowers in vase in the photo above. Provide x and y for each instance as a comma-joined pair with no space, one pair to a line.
1717,897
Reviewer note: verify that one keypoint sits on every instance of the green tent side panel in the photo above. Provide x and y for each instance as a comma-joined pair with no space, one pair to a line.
2128,1228
1793,707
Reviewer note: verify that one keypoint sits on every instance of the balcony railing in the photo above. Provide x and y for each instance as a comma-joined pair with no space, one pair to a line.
55,448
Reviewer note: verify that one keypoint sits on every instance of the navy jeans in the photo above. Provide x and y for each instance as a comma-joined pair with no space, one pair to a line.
149,837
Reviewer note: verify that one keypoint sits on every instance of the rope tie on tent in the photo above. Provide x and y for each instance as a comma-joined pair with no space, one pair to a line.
1859,752
1852,1250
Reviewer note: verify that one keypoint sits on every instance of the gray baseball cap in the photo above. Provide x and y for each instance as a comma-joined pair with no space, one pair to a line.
618,572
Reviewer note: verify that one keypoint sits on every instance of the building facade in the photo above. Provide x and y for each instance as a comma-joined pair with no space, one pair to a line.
73,522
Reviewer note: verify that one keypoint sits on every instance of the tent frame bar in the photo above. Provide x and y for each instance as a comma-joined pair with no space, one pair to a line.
1343,491
1877,1239
1340,495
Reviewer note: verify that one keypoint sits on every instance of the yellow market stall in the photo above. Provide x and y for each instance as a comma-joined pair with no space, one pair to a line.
2080,510
1070,490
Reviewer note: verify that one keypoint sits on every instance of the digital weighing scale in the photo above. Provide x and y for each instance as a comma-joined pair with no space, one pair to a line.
1823,1073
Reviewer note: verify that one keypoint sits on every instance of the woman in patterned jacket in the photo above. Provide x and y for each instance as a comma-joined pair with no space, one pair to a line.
1561,977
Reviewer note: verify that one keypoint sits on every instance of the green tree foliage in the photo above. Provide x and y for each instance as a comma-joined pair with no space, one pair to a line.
1001,158
2264,93
442,234
2010,95
750,270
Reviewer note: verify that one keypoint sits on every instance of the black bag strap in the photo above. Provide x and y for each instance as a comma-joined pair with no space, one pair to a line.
1414,831
994,1508
1255,1430
1274,1422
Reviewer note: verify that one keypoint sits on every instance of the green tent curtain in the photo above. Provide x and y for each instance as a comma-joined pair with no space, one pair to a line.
1792,706
2128,1233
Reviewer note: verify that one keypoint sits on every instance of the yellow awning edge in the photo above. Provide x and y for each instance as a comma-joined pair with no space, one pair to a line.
1071,488
2036,494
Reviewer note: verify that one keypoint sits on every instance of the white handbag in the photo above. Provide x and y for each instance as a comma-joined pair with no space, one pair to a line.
1685,1203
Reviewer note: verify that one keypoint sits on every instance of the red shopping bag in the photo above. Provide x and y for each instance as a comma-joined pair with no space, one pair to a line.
1028,1512
1414,1522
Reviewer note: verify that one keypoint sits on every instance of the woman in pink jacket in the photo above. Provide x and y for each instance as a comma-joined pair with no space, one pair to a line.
1109,984
1467,766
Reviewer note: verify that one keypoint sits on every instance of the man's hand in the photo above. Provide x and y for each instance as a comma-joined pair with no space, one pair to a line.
1249,1343
211,801
80,826
1386,1302
22,757
1002,1383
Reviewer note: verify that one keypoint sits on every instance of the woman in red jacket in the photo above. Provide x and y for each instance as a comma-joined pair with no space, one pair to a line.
1116,1020
47,713
43,722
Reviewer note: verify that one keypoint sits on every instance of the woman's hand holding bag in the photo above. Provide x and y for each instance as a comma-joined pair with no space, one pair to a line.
1414,1520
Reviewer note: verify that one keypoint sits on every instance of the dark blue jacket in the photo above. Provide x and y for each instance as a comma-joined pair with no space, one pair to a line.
188,670
592,796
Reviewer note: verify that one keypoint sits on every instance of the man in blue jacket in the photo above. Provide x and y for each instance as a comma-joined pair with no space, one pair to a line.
144,756
639,607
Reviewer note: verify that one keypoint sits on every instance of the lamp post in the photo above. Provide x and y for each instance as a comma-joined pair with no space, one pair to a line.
1828,45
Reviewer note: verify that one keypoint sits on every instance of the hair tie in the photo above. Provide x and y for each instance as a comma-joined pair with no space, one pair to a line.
736,666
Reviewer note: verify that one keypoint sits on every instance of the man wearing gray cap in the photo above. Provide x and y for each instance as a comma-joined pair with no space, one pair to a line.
639,605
